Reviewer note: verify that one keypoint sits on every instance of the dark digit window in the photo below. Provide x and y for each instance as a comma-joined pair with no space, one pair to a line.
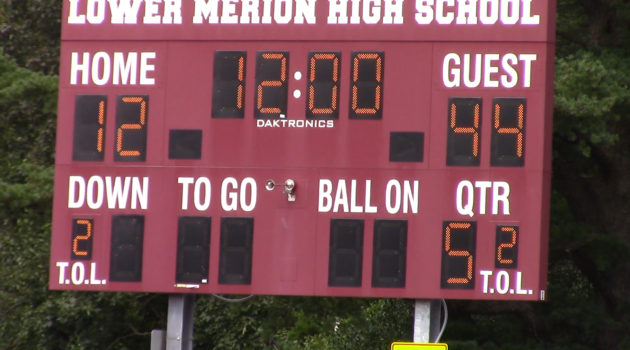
366,88
126,248
323,85
228,87
464,127
390,253
235,262
193,249
508,132
271,84
458,254
132,114
89,127
346,253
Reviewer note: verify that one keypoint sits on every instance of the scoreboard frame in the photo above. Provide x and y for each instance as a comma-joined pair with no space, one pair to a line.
358,148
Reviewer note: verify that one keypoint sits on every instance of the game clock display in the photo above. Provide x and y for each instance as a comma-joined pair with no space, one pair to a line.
383,166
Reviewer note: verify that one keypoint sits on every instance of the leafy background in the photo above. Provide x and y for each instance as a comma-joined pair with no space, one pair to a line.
589,263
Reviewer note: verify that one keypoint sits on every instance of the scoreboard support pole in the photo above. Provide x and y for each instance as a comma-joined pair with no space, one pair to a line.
179,327
426,321
158,339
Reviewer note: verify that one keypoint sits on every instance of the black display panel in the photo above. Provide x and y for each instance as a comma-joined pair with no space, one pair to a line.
228,86
366,85
507,146
323,85
184,144
90,112
389,263
506,247
459,239
271,84
193,249
463,146
126,248
346,253
406,146
82,238
132,115
235,261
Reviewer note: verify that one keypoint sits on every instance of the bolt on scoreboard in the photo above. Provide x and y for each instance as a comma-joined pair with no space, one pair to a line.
366,148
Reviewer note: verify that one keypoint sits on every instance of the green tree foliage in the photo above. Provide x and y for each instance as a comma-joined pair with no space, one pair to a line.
284,323
588,265
30,31
28,102
27,106
591,164
31,316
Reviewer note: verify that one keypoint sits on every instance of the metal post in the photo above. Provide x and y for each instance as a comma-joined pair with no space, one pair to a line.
158,339
179,328
426,325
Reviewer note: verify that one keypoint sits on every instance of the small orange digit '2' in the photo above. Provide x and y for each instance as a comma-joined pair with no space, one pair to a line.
85,237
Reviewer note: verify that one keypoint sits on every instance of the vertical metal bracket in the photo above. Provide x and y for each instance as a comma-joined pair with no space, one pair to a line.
179,328
289,190
426,325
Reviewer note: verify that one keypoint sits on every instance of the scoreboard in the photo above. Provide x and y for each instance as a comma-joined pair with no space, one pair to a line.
366,148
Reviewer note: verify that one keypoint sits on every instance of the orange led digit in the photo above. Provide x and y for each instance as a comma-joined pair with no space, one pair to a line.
265,83
82,233
473,130
323,86
101,124
458,254
88,234
240,89
508,132
518,130
506,246
463,133
271,84
367,85
131,124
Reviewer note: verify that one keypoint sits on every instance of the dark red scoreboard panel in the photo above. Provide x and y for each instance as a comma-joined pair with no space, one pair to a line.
420,162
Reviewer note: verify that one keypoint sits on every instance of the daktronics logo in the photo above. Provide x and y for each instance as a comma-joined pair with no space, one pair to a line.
287,123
